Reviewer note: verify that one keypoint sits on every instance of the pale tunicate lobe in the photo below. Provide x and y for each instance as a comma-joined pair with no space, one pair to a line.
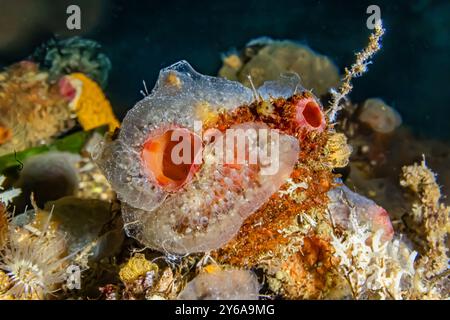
367,213
222,285
211,209
178,92
379,116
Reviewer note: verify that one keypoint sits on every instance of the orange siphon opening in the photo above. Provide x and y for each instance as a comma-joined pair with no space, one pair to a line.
165,157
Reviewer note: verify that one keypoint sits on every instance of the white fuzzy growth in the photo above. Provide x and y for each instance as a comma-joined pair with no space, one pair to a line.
35,265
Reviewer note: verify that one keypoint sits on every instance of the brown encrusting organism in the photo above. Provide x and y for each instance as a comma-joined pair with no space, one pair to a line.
276,237
428,219
32,110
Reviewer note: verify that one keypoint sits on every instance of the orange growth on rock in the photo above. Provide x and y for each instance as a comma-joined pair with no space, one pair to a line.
260,234
5,134
308,271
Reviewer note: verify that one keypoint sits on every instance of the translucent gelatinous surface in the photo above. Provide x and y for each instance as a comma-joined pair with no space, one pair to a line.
211,209
178,93
342,200
184,208
222,285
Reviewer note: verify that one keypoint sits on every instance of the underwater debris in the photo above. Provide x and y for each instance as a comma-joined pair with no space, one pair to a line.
266,60
31,108
222,285
88,101
63,57
428,219
379,116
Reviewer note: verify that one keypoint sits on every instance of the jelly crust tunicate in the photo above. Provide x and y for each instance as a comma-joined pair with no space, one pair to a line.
222,285
211,209
206,209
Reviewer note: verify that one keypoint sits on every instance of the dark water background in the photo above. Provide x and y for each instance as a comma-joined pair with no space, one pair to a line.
411,73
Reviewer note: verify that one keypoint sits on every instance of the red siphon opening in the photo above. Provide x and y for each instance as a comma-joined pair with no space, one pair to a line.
312,114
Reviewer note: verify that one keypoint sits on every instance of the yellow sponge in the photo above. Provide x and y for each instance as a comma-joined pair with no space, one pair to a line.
90,104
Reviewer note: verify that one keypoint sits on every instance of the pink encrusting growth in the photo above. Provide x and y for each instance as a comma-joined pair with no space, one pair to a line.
309,114
66,88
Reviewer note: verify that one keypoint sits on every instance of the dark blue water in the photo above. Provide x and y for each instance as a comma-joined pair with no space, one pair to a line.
411,73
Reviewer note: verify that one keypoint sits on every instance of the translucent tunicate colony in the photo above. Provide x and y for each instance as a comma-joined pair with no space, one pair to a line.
179,91
222,285
211,209
366,211
199,206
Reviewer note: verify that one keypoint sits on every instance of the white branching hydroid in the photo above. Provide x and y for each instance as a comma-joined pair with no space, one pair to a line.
373,268
356,70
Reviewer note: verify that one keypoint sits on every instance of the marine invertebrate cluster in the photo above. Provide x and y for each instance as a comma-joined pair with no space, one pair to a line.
183,209
74,55
265,59
88,102
32,110
380,270
429,218
216,180
222,195
34,264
